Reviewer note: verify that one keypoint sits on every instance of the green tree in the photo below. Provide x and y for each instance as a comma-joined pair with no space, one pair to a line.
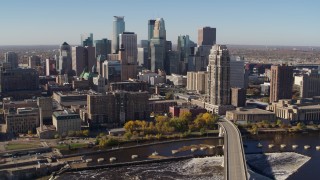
186,116
301,126
169,95
179,124
29,132
71,133
86,132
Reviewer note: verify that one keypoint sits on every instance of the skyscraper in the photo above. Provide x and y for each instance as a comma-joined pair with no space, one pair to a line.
219,78
281,82
12,58
151,23
206,36
237,72
64,64
118,28
158,46
128,55
103,47
83,59
87,39
34,61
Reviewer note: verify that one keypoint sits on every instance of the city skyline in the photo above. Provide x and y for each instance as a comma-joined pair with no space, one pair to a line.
247,22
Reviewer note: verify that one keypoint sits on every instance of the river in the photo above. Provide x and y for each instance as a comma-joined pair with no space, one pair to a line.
208,167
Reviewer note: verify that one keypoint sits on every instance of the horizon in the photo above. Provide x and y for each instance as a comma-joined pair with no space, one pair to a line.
272,23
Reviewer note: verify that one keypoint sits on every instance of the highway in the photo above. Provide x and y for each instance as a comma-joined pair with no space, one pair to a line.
234,159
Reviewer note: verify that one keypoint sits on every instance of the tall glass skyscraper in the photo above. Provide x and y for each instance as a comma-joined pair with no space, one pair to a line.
158,46
87,39
150,28
118,28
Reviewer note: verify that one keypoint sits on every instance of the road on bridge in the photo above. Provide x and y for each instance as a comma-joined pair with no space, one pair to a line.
234,159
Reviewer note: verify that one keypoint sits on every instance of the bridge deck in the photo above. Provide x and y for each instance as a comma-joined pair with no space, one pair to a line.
235,164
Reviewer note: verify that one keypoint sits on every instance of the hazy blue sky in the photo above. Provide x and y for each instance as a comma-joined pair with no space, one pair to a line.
269,22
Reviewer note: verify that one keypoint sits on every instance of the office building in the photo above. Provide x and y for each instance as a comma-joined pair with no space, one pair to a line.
12,58
128,55
51,67
310,85
21,120
281,82
237,72
114,109
250,115
64,64
83,59
112,71
219,78
174,63
143,57
206,36
19,83
238,97
34,62
66,121
197,81
118,28
151,24
87,39
103,47
158,46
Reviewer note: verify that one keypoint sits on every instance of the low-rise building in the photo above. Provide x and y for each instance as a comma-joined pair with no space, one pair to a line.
66,121
250,115
21,120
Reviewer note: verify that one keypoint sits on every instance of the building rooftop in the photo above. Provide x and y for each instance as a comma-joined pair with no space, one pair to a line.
310,107
250,111
65,114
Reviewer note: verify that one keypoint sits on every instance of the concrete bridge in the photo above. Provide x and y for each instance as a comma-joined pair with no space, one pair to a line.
234,159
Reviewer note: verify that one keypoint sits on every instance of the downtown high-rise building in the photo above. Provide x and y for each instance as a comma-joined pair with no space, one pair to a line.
158,46
83,59
128,55
219,78
103,47
151,23
87,39
34,62
12,59
281,82
64,63
237,72
206,36
118,28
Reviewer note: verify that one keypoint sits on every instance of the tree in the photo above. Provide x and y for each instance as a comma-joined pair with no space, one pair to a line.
86,132
187,116
301,126
169,95
129,126
29,132
71,133
179,124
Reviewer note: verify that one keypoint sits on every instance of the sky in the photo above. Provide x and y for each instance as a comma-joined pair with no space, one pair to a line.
242,22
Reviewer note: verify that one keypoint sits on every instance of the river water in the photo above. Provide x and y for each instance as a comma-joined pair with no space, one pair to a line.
207,167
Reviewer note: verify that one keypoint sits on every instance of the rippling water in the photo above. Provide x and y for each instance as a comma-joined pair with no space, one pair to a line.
208,168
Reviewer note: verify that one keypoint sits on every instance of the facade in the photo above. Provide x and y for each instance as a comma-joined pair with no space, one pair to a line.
151,23
237,72
250,115
83,59
128,55
177,80
118,28
206,36
12,58
112,71
197,81
129,86
21,120
158,46
281,82
238,97
300,111
19,83
87,39
46,107
114,109
219,77
34,62
66,121
64,63
310,85
103,47
50,67
161,106
142,57
173,58
177,111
